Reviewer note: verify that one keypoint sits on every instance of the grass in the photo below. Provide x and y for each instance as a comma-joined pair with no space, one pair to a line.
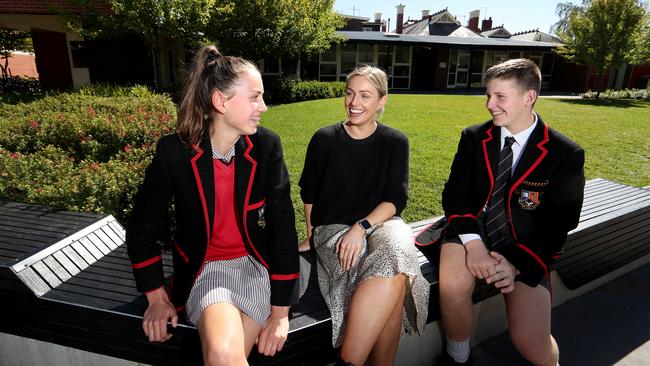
614,134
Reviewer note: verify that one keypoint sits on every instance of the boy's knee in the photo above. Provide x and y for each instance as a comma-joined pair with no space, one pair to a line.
456,288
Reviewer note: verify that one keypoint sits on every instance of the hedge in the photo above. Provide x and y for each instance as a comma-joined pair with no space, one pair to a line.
643,94
281,91
79,151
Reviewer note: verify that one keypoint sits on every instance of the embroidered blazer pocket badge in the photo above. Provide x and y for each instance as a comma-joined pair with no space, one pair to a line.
529,200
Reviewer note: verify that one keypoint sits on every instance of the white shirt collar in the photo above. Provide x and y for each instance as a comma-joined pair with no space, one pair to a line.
522,137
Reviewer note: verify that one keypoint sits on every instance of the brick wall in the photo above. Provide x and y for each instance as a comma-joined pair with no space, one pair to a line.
23,64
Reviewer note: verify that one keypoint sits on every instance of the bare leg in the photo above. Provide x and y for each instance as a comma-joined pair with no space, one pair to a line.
456,287
529,320
385,349
224,335
371,307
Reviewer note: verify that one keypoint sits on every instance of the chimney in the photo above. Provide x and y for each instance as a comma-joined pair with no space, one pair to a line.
486,24
377,17
383,26
425,14
473,20
400,18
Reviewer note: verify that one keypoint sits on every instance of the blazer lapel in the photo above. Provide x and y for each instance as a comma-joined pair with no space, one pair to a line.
244,172
203,169
533,153
491,150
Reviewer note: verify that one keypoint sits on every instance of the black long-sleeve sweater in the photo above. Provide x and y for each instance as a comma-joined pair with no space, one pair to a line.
345,178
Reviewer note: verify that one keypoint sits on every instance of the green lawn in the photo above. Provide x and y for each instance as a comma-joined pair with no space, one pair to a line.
614,134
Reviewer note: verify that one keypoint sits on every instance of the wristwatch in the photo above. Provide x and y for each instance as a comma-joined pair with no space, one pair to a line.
365,225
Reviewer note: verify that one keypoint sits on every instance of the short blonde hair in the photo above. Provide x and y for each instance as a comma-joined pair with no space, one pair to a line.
376,76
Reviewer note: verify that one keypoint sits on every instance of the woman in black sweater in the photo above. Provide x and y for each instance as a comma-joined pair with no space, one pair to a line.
354,186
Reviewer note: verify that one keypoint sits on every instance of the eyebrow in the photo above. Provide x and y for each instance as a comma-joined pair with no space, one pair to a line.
360,91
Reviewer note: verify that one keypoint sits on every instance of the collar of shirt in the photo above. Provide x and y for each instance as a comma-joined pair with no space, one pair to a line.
520,140
225,158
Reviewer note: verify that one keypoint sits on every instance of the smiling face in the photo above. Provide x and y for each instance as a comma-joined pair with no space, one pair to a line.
362,101
242,109
509,105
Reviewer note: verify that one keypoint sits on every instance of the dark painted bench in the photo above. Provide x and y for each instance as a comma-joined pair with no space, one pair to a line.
65,278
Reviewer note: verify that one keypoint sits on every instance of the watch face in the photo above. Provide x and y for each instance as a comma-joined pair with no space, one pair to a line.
365,224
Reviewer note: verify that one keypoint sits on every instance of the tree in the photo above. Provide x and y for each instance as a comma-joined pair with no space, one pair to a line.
260,28
604,33
10,41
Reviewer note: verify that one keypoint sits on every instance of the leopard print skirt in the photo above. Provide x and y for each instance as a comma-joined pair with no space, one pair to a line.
387,251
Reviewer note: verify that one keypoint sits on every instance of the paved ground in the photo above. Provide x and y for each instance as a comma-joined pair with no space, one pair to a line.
608,326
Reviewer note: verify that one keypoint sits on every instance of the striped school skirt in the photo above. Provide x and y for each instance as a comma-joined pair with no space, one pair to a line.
242,282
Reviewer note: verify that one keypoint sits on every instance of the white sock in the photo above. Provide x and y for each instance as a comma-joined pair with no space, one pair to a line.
459,351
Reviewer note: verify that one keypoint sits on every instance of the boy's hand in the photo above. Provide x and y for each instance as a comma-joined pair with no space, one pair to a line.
479,262
304,246
504,278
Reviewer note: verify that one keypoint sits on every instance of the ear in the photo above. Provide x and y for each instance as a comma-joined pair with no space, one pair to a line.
383,100
219,101
531,97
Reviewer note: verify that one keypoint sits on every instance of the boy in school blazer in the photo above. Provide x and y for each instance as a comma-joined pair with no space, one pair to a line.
541,202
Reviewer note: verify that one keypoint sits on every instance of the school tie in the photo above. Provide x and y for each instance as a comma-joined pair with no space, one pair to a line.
496,223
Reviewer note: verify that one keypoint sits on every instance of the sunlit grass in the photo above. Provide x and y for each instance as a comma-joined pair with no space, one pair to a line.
614,134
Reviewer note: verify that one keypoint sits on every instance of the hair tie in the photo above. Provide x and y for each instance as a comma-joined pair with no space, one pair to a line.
211,57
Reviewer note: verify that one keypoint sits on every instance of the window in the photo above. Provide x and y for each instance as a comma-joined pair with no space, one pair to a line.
366,54
328,66
79,54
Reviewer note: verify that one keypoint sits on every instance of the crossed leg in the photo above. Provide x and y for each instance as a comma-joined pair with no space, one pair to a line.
227,335
373,319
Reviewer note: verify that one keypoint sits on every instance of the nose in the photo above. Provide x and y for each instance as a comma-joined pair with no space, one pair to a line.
262,106
489,103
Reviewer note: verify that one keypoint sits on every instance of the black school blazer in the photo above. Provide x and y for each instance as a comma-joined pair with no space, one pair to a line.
186,175
544,198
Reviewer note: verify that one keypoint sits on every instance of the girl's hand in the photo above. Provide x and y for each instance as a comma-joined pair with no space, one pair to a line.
275,331
348,247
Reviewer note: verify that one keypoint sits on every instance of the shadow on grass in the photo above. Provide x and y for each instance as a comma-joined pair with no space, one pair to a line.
618,103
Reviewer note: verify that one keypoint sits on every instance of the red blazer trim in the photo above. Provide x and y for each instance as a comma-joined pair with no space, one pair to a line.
180,252
489,168
248,194
257,205
285,277
146,263
471,216
540,146
197,177
537,258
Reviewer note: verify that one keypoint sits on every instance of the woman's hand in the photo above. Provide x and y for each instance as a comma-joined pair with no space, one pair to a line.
479,262
275,331
304,245
159,311
504,278
348,247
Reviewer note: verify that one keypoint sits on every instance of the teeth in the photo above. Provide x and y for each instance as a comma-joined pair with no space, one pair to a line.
356,111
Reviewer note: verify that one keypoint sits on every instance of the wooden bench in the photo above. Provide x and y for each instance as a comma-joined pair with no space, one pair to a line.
65,278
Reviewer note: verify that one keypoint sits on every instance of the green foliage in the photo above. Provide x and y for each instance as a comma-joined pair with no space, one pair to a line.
12,40
604,33
259,28
181,20
81,151
15,89
282,91
619,94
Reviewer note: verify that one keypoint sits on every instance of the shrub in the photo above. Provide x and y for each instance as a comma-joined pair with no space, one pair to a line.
280,91
643,94
15,89
79,151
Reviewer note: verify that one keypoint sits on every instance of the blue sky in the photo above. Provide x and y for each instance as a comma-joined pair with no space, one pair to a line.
515,15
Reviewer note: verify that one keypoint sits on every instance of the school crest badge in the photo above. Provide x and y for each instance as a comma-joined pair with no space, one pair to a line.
528,200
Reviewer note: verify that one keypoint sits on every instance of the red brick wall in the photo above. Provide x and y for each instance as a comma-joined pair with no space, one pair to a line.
23,64
45,6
